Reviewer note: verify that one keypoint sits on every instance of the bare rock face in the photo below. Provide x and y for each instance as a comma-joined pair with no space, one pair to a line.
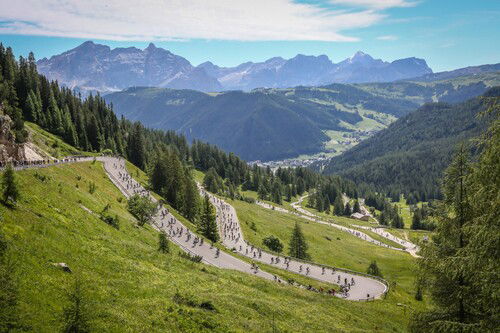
95,67
9,149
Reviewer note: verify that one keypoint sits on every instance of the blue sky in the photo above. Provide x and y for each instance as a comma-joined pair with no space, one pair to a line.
448,34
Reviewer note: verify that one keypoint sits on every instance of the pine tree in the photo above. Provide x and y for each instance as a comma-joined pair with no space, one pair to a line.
347,209
383,218
77,312
276,196
31,107
298,244
212,182
163,243
262,192
301,187
326,204
10,191
397,221
288,193
158,175
319,203
443,265
416,222
136,146
191,201
461,265
374,270
338,206
208,224
482,253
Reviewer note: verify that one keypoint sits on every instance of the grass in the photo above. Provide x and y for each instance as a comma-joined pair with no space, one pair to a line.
133,288
51,145
333,247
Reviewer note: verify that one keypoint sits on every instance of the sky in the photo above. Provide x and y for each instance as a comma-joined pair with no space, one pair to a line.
448,34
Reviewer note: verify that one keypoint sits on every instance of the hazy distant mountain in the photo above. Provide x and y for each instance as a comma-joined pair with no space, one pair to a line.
471,70
305,70
96,67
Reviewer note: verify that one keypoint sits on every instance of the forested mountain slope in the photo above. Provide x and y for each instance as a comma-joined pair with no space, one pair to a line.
445,88
411,154
271,124
260,125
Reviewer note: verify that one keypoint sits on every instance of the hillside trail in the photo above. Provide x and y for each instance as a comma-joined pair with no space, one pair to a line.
409,247
363,288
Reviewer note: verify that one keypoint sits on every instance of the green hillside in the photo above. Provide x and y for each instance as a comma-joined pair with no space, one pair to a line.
411,154
130,287
451,90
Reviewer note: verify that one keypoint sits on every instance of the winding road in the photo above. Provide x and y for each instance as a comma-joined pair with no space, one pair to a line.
408,246
361,286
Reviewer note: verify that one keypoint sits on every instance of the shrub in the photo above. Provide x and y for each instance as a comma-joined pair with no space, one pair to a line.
374,270
273,243
188,256
248,199
41,177
253,226
92,187
142,208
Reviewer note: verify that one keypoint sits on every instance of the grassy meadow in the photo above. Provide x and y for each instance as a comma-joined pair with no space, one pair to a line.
130,287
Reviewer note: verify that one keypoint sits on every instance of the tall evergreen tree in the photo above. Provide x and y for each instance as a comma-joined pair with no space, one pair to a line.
463,261
262,192
276,195
416,221
288,192
347,209
338,206
482,253
208,224
443,262
191,200
298,245
77,313
319,203
136,147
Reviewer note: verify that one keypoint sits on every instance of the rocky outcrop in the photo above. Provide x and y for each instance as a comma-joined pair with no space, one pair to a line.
9,149
95,67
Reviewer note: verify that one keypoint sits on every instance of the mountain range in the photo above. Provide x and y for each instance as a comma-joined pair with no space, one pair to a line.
271,124
96,67
305,70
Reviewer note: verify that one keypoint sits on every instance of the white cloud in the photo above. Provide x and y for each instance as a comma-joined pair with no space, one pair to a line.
387,37
377,4
185,19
